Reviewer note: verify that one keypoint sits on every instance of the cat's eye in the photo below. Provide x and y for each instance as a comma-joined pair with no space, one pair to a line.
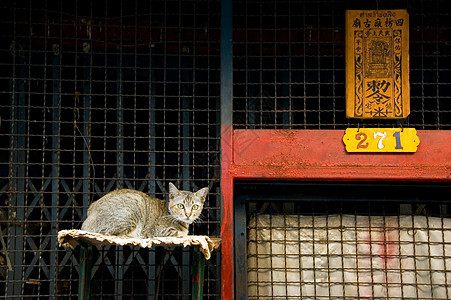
180,206
195,206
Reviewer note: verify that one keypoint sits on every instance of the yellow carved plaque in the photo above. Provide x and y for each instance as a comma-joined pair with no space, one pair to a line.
377,64
381,140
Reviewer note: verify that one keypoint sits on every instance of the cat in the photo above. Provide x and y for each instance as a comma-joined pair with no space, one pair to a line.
131,213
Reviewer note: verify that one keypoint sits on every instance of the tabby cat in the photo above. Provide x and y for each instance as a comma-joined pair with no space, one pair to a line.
131,213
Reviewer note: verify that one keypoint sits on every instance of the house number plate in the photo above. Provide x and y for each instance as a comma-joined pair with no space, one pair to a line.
381,140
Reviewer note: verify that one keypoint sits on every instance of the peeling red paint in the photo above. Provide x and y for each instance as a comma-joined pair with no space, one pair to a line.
321,155
227,253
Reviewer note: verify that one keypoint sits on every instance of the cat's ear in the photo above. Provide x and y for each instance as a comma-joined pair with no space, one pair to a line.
173,191
202,193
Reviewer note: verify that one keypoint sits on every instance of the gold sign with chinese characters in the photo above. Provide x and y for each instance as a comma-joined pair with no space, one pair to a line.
381,140
377,64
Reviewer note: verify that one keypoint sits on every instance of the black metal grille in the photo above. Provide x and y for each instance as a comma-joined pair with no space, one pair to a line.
289,64
343,240
99,95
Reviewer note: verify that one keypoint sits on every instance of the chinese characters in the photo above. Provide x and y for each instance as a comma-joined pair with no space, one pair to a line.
378,96
377,64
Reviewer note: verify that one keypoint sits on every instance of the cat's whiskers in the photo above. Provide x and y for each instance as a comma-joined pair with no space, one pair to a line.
199,219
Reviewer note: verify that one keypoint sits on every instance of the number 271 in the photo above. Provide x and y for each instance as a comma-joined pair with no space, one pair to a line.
362,137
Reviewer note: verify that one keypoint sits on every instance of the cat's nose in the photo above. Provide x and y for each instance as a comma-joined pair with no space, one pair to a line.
188,214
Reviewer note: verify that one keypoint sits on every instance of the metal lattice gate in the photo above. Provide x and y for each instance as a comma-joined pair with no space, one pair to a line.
98,96
317,240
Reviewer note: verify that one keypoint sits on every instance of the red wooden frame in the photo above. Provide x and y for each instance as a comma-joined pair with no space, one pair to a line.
316,155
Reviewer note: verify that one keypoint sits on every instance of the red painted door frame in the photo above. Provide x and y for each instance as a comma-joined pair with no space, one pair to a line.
316,155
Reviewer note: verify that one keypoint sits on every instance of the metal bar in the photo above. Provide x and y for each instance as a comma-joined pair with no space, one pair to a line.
226,77
120,124
119,268
152,127
18,130
84,283
286,99
152,166
186,159
198,270
252,98
241,244
56,102
86,129
338,198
